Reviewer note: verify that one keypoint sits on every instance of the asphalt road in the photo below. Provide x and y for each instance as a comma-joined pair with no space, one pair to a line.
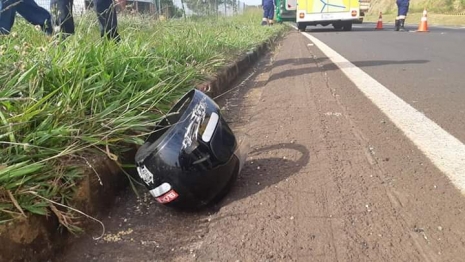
426,70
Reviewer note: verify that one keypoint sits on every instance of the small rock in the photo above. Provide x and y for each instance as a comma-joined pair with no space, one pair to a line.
440,228
292,218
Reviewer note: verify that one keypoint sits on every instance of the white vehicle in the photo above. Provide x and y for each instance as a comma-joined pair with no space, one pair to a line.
339,13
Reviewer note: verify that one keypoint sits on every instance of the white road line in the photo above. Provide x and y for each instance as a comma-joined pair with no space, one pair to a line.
444,150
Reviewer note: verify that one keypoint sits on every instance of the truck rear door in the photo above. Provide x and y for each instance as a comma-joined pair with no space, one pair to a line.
328,6
335,6
316,6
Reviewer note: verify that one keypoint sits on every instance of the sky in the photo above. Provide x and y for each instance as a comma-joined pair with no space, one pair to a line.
252,2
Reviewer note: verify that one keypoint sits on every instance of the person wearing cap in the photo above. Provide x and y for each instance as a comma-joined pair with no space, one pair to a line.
268,12
29,10
402,10
62,12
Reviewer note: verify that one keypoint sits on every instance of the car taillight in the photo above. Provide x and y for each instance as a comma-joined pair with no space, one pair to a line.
354,12
301,15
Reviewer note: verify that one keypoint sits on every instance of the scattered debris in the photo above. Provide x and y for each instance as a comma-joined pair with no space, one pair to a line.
333,114
118,236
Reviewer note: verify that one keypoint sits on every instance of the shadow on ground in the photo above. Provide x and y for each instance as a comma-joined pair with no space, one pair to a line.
322,64
263,172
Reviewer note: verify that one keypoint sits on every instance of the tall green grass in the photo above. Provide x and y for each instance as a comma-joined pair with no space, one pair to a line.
62,104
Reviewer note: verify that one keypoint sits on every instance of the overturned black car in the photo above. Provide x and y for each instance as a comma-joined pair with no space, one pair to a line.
191,158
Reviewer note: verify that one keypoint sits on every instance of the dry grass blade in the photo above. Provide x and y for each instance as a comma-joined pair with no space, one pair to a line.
72,209
13,200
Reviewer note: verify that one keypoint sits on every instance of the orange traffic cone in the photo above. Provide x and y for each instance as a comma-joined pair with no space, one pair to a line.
379,25
423,27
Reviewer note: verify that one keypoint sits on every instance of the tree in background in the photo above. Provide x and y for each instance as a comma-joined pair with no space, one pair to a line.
210,7
169,10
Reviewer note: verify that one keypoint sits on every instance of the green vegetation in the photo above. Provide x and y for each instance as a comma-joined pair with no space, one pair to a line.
433,6
61,104
210,7
440,12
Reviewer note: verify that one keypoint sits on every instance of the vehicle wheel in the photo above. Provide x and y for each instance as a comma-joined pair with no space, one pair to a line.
348,27
337,26
301,27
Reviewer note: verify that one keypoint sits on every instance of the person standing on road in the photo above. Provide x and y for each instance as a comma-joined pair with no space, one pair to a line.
268,12
402,10
62,11
29,10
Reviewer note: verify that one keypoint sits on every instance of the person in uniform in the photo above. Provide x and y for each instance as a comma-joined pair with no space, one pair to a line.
268,12
402,10
29,10
62,12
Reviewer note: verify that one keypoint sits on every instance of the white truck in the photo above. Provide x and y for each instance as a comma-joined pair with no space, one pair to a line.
341,14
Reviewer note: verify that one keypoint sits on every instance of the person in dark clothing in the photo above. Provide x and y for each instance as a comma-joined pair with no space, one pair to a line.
29,10
62,11
268,12
402,10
